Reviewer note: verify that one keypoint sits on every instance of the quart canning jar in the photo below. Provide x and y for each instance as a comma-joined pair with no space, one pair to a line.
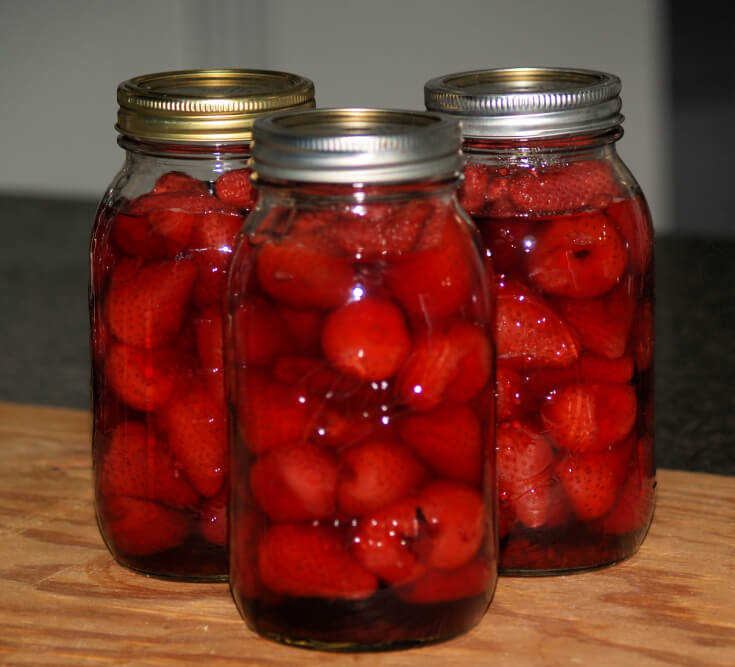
360,356
571,242
160,252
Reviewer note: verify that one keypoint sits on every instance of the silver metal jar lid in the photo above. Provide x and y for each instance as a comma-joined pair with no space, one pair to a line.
523,102
351,145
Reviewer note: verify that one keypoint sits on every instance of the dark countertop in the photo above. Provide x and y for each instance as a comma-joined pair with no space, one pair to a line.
44,328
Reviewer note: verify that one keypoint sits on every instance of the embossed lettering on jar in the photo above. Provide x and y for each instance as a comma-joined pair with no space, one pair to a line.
571,242
160,253
361,374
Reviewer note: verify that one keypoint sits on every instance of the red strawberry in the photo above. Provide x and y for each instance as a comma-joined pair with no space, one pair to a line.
213,519
633,220
298,275
454,516
375,474
374,230
472,191
147,308
208,329
590,417
588,368
528,333
137,464
270,413
196,425
174,227
571,187
367,339
580,256
393,543
510,397
311,560
186,201
603,323
133,235
295,482
236,188
258,332
141,527
474,361
449,440
524,459
178,181
212,245
475,578
435,280
143,379
592,479
427,372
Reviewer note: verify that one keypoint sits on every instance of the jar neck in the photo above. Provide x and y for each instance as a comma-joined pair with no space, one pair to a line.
535,151
183,150
290,192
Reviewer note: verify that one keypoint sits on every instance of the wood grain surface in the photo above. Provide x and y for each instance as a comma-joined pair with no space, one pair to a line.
64,601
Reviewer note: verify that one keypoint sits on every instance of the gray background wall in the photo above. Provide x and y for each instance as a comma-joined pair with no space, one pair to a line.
62,60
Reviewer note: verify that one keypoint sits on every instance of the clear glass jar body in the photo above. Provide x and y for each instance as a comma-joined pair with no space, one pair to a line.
361,370
161,247
571,242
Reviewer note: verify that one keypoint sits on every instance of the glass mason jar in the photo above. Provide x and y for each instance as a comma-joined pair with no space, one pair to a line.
160,251
571,242
361,370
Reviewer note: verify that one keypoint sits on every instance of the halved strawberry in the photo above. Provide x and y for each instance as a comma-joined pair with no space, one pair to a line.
212,246
270,413
436,279
299,275
146,307
593,479
295,482
589,417
449,440
524,460
213,519
528,333
566,188
472,191
196,425
375,474
634,503
178,181
474,361
426,374
133,235
209,333
142,527
454,516
236,188
143,379
633,220
580,256
475,578
509,394
258,332
304,560
367,339
371,231
603,323
538,384
138,464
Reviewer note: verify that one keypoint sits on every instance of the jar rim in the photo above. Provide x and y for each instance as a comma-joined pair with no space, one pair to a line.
521,102
356,145
206,106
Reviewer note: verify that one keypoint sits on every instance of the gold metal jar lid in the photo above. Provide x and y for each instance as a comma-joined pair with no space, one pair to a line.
212,106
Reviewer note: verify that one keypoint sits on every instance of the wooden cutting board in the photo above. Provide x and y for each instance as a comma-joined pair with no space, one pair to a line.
64,601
